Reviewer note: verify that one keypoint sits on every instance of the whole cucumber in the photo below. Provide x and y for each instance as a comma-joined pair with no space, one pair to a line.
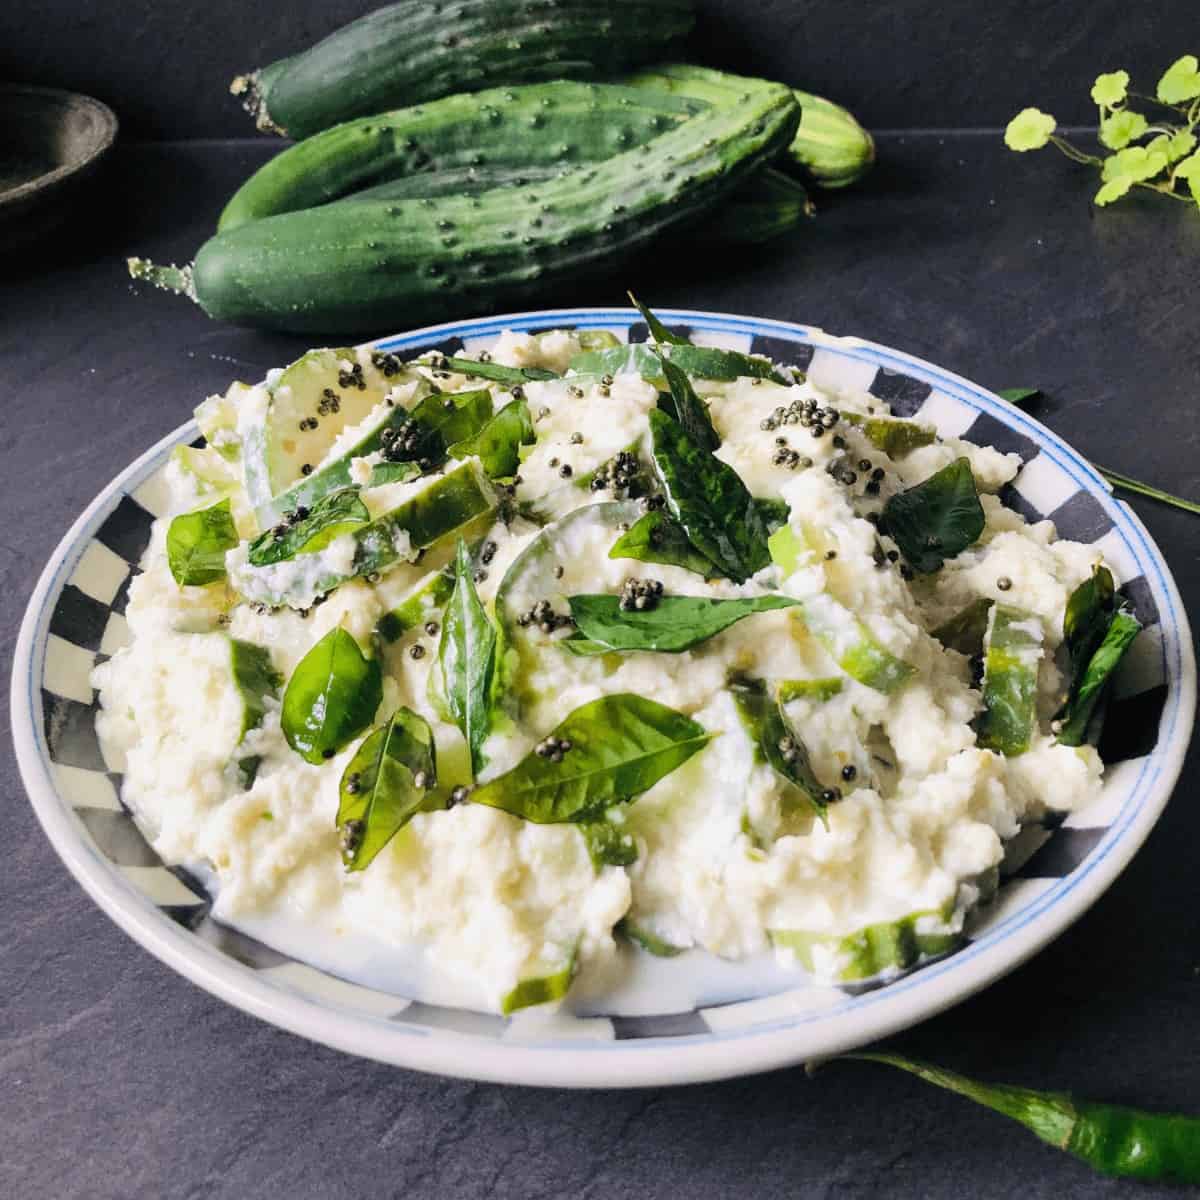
459,143
830,146
415,51
379,264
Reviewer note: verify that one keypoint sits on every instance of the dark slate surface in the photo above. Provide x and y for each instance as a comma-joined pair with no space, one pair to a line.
119,1079
165,65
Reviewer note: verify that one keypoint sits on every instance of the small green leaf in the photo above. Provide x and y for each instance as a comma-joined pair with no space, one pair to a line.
1174,145
936,519
707,498
1030,129
616,748
197,542
308,530
453,416
674,624
331,697
1090,609
1088,691
498,443
658,331
690,411
1113,190
384,786
1109,89
1189,169
467,656
1121,128
893,436
1019,395
966,630
1181,81
658,538
1135,163
777,743
495,372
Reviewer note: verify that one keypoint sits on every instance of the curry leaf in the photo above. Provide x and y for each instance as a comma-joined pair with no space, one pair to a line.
495,372
498,443
966,630
707,497
453,416
384,786
331,697
308,530
936,519
674,624
690,410
197,542
658,331
1089,612
467,656
615,748
1019,395
1087,692
777,743
659,538
393,472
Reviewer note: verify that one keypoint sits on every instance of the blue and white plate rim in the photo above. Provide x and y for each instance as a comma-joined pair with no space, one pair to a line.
573,1062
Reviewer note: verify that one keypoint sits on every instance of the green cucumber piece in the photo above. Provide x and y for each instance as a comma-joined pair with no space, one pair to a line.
413,52
276,451
217,420
852,646
966,630
541,989
874,949
443,506
363,266
893,436
255,679
818,690
1012,652
423,603
641,936
531,133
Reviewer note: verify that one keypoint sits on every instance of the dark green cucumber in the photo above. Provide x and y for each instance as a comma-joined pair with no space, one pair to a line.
378,264
415,51
829,146
459,143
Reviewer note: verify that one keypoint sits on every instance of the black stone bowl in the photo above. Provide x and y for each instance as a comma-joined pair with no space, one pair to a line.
51,143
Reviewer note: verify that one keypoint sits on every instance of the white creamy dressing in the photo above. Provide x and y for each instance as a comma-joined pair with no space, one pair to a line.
464,903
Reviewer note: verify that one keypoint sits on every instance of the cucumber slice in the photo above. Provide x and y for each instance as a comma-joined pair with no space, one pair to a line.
852,645
356,441
874,949
288,432
819,690
541,989
894,437
641,936
217,418
254,677
421,604
1012,652
531,578
406,519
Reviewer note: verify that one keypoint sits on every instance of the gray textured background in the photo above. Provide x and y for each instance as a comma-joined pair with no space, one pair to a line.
902,64
119,1079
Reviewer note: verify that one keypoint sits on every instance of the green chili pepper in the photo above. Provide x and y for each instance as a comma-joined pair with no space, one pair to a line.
1111,1138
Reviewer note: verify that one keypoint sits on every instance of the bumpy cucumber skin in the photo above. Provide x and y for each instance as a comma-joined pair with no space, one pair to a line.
415,51
354,268
829,146
514,133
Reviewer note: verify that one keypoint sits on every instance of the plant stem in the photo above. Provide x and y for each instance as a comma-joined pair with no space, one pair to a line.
1144,489
1073,152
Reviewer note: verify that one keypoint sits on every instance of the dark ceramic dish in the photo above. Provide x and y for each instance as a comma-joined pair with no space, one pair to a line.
51,143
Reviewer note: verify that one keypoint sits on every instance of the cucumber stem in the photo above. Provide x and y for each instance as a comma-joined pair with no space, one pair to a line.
169,278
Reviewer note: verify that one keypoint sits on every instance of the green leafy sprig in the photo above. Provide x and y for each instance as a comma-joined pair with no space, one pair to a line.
1156,152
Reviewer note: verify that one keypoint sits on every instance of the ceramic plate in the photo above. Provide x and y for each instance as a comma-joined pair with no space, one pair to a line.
75,617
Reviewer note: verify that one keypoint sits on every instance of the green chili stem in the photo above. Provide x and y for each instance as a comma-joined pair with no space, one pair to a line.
1144,489
1112,1139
